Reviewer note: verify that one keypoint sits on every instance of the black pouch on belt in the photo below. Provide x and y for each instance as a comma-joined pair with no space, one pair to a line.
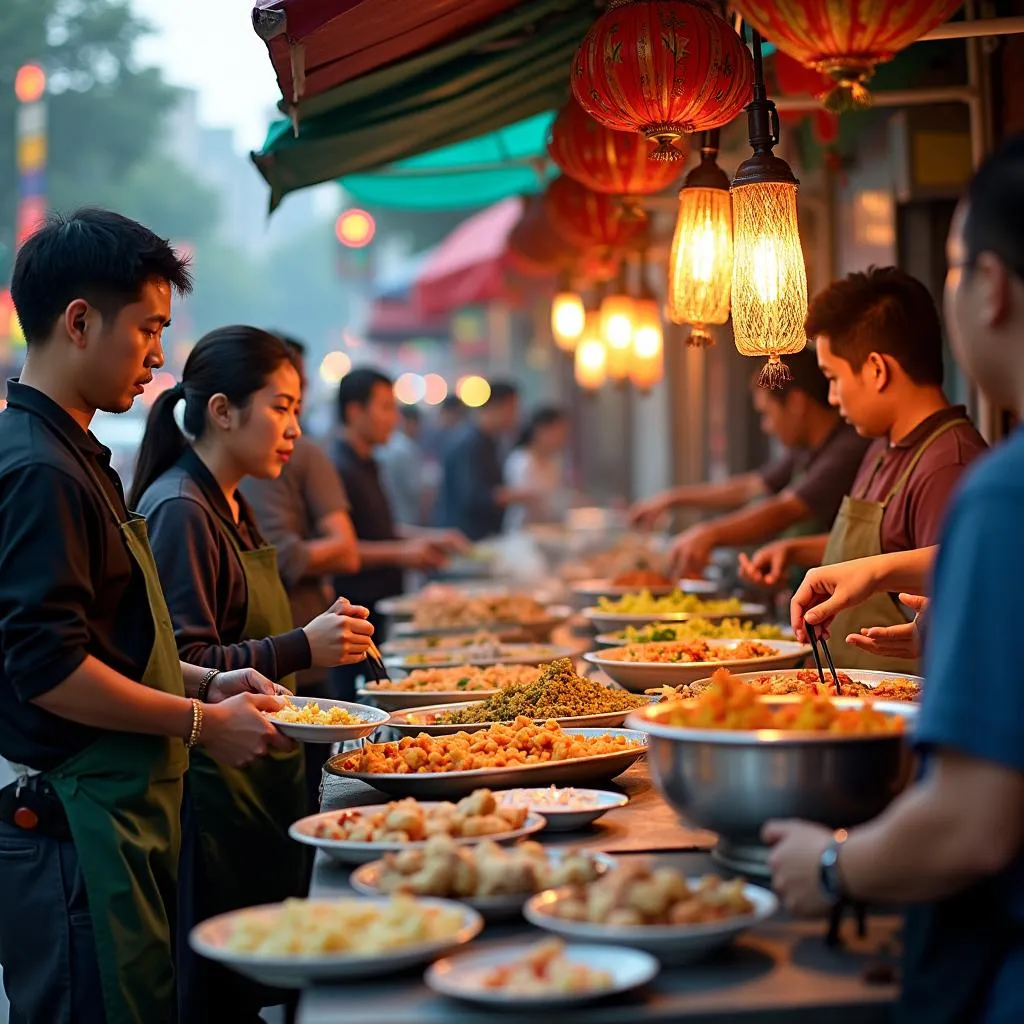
33,806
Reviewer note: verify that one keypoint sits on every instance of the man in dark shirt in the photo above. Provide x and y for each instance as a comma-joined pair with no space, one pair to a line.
799,491
952,846
91,689
368,414
473,496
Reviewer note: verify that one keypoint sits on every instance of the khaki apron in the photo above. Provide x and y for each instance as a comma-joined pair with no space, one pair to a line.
122,796
243,814
857,533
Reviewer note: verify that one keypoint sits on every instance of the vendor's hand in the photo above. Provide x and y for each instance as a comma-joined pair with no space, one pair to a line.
795,862
423,553
828,590
645,514
242,680
902,641
236,731
452,541
691,552
764,568
341,636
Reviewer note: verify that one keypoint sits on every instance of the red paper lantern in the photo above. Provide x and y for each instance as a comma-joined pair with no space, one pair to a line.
664,68
793,79
534,248
605,160
592,221
844,40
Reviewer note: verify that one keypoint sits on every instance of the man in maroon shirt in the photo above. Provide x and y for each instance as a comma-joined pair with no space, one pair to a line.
879,343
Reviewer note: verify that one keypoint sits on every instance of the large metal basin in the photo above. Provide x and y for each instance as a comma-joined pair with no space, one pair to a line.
733,782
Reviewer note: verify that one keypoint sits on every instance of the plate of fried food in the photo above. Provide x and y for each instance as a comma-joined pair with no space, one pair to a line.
425,686
318,720
695,629
669,663
295,943
503,756
659,910
481,656
558,694
547,976
643,608
884,686
494,880
358,835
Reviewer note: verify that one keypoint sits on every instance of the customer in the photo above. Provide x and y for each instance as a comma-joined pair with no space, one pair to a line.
536,466
952,846
401,463
304,514
473,493
368,414
879,342
97,710
798,493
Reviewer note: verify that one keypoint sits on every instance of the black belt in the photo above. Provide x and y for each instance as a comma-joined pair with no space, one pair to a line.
33,806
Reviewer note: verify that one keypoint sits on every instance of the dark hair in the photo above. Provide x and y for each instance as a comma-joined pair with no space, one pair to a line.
545,416
884,310
95,255
502,391
297,347
357,386
995,207
453,403
233,361
805,376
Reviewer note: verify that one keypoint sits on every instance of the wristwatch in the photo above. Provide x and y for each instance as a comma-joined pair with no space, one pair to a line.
829,876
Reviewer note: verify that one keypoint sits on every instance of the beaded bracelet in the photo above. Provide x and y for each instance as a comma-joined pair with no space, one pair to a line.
204,686
197,724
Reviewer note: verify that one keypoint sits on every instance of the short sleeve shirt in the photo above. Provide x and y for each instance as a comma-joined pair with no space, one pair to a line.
914,517
973,703
821,477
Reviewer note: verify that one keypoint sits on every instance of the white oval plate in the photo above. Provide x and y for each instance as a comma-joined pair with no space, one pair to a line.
618,639
404,700
562,818
209,939
372,719
349,852
508,654
366,880
670,943
608,622
402,723
462,977
642,675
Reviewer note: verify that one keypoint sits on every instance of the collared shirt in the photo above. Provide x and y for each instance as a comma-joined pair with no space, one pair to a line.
472,474
68,586
821,477
202,575
288,511
914,517
965,953
373,521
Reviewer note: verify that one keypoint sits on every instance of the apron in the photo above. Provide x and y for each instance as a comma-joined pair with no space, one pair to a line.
122,797
857,533
243,814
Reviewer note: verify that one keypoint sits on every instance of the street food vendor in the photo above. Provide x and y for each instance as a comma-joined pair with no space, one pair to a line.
241,394
97,709
879,343
797,493
952,845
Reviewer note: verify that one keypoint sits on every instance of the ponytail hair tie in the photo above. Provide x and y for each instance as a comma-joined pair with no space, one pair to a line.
177,392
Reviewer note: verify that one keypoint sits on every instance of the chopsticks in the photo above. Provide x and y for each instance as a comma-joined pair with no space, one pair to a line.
813,637
375,663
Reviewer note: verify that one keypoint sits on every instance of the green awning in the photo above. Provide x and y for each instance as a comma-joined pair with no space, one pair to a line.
511,70
478,172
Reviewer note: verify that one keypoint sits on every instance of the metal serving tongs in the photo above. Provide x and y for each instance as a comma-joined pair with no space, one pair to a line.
813,637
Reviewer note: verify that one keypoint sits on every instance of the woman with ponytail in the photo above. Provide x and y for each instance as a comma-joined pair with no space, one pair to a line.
240,395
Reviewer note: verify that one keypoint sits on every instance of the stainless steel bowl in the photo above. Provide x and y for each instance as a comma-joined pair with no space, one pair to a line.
732,782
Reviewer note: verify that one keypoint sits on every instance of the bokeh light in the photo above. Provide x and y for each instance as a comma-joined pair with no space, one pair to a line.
30,83
410,388
355,228
334,366
437,389
473,390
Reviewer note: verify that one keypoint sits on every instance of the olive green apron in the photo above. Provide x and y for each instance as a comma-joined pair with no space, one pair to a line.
857,533
122,796
243,814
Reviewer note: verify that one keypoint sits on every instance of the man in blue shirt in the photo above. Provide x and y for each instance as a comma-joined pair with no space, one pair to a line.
952,846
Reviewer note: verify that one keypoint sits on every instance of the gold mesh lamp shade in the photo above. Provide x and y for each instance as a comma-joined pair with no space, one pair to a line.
591,359
769,279
700,262
568,318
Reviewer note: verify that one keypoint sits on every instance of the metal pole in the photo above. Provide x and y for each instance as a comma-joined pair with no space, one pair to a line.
890,98
975,29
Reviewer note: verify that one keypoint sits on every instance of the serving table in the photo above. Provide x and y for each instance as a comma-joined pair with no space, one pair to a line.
779,972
